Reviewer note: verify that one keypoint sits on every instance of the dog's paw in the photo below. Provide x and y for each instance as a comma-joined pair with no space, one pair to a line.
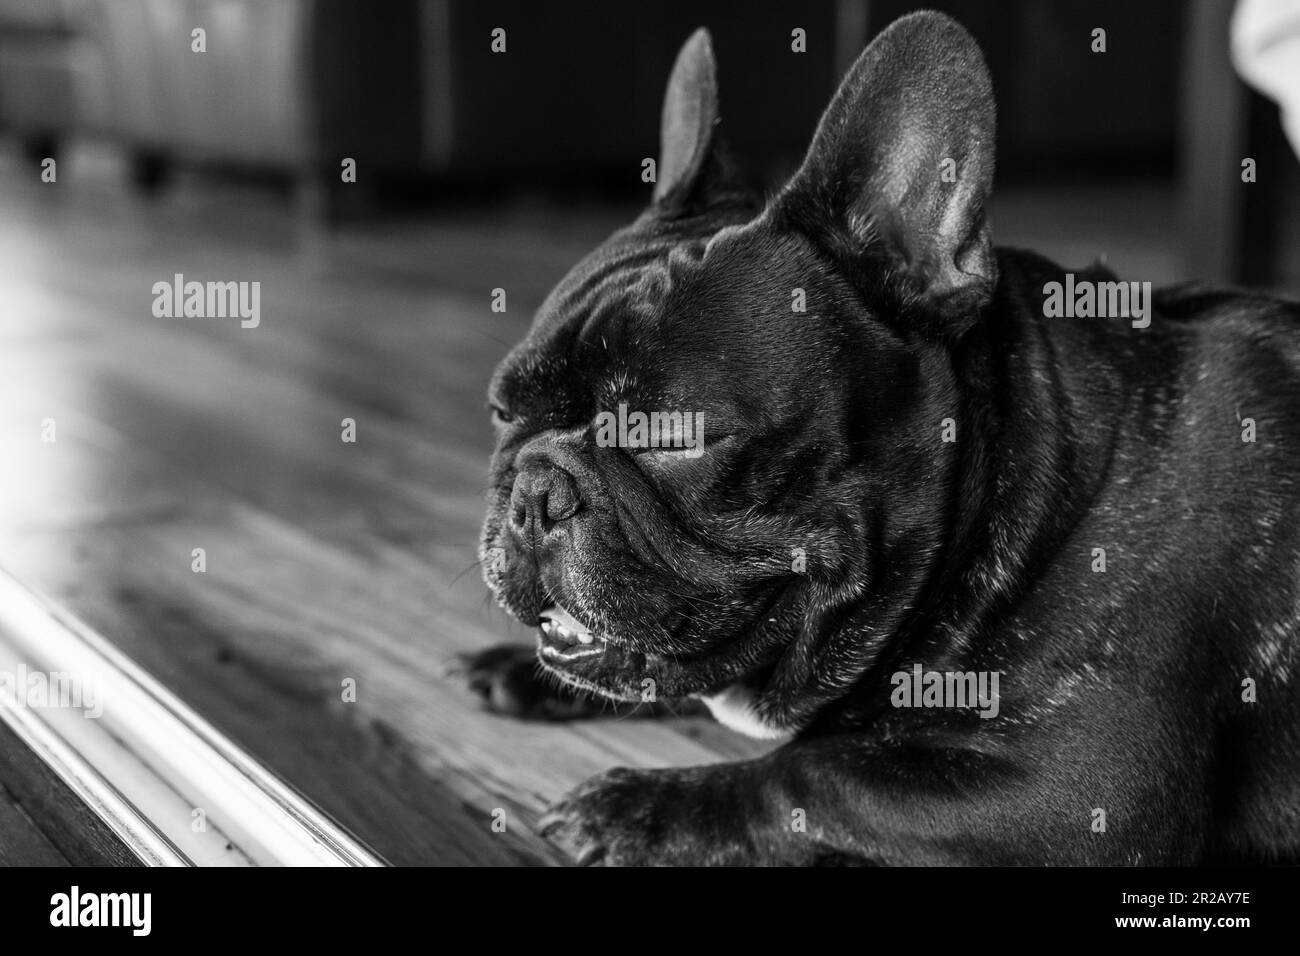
675,817
511,682
610,820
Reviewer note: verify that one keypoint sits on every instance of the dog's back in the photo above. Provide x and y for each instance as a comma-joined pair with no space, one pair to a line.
1189,553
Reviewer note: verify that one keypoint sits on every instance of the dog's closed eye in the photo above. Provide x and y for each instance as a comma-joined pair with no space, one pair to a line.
680,451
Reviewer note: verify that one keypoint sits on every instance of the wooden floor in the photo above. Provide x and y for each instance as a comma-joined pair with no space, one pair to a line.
325,560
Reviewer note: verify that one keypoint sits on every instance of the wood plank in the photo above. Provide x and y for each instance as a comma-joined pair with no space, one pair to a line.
42,822
21,841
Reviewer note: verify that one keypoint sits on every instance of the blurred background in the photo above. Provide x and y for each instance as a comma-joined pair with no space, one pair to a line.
1134,153
475,170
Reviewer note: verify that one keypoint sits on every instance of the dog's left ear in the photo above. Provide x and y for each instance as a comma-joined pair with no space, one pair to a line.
691,172
895,183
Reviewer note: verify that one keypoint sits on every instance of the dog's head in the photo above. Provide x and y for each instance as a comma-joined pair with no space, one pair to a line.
722,432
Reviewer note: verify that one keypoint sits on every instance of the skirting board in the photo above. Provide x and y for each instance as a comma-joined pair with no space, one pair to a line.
174,789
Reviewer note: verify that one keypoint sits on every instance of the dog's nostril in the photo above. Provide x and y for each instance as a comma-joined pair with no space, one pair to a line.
561,500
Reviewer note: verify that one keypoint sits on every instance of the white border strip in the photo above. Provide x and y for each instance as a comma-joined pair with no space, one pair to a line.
149,763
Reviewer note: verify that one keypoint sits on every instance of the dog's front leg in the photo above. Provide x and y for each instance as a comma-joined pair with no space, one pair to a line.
842,800
748,813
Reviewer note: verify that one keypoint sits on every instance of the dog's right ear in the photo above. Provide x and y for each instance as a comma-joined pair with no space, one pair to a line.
689,167
897,178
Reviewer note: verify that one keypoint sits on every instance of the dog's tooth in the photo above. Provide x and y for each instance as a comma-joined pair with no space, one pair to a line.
585,638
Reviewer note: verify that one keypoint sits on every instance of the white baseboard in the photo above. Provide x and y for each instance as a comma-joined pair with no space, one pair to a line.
147,764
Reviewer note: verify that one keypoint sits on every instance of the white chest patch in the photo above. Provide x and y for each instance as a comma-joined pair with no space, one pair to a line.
733,708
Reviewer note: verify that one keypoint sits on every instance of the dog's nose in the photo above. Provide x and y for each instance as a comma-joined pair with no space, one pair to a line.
542,497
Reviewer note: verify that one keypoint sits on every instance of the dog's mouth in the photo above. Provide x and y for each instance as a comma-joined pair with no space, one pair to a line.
596,661
587,659
566,639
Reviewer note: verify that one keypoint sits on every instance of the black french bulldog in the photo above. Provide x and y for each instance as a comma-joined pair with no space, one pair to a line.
918,474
